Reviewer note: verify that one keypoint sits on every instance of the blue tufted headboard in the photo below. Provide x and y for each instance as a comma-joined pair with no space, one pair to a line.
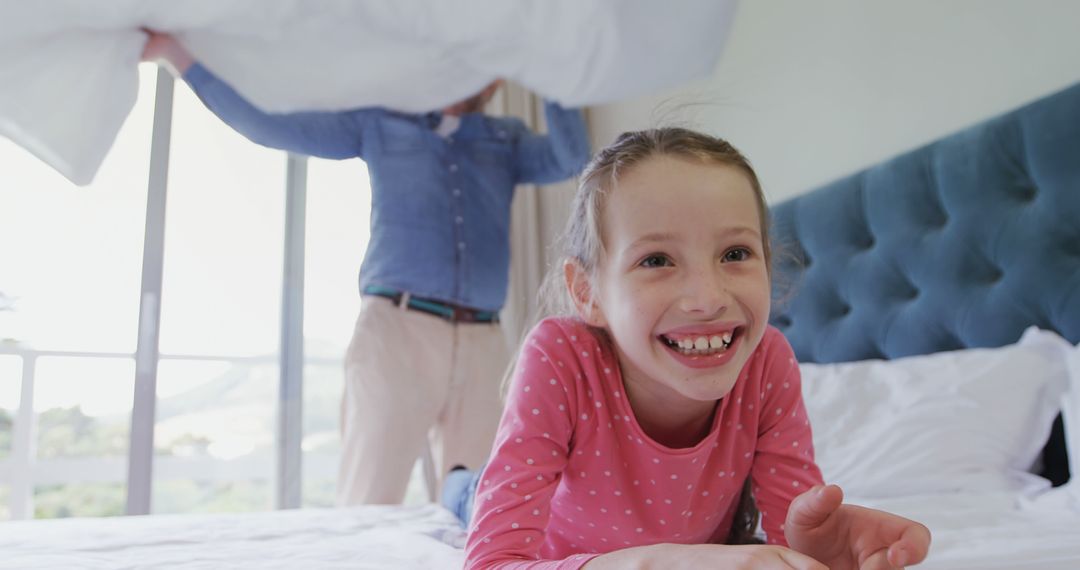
964,242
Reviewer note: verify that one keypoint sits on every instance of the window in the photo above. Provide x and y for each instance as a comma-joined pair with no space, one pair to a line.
10,380
70,284
10,391
69,294
338,212
338,216
220,318
83,408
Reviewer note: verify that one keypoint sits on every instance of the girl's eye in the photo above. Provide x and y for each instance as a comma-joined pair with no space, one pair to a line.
737,254
655,260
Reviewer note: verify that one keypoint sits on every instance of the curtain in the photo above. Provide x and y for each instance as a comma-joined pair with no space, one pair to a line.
538,216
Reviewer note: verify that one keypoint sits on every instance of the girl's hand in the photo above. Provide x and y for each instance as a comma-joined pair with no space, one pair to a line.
704,556
847,536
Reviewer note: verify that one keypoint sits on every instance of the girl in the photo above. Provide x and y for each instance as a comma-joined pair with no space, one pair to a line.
632,426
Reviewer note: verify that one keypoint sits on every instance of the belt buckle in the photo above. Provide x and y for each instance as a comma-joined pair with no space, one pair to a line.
461,315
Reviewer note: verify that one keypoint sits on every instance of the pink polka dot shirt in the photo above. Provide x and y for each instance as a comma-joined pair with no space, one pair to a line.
573,475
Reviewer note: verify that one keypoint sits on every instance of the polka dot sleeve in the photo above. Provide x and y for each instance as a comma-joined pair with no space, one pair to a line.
512,503
784,464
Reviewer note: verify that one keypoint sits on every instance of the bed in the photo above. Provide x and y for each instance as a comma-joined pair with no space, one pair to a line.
908,291
374,537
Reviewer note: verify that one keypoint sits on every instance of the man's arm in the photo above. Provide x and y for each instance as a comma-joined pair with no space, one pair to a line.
323,134
556,156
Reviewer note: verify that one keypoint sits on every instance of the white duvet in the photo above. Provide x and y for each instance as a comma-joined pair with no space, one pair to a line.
68,67
373,537
992,531
995,531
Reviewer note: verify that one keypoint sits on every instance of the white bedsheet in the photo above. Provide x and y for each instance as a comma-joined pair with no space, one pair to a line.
68,66
412,538
993,531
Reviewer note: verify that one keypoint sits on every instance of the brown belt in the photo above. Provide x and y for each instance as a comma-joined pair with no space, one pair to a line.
448,311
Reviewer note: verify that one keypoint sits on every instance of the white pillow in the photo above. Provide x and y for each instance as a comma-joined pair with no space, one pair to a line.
1071,410
973,419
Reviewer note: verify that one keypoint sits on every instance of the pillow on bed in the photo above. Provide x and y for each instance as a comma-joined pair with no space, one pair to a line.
972,420
1071,411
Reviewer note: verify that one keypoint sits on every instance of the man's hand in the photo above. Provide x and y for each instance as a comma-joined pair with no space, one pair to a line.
162,46
850,537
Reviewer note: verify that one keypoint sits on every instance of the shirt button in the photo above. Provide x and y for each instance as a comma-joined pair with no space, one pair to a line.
461,245
460,220
453,168
457,192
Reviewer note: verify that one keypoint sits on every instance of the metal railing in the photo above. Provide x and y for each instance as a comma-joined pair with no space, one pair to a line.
23,470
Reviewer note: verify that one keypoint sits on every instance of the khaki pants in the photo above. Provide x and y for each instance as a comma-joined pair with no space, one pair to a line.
410,376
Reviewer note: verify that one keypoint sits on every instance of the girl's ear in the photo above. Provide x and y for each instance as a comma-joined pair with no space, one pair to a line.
581,291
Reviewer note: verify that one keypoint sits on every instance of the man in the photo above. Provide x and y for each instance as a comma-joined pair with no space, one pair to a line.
427,350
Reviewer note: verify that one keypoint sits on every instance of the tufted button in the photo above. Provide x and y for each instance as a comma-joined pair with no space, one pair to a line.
949,341
996,275
845,310
1027,193
869,243
913,294
1070,247
783,321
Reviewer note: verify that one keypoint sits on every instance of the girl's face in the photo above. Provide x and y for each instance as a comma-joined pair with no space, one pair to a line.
683,288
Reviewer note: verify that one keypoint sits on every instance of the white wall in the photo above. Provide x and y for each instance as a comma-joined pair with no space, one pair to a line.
811,91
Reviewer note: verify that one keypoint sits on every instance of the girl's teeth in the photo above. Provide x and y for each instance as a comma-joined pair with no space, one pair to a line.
704,344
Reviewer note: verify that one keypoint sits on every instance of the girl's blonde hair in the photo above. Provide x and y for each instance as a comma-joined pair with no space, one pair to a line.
581,240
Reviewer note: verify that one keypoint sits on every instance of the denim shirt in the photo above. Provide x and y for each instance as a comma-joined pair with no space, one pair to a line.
440,211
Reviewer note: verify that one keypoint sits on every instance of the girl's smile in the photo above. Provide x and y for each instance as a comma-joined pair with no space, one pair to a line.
703,347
